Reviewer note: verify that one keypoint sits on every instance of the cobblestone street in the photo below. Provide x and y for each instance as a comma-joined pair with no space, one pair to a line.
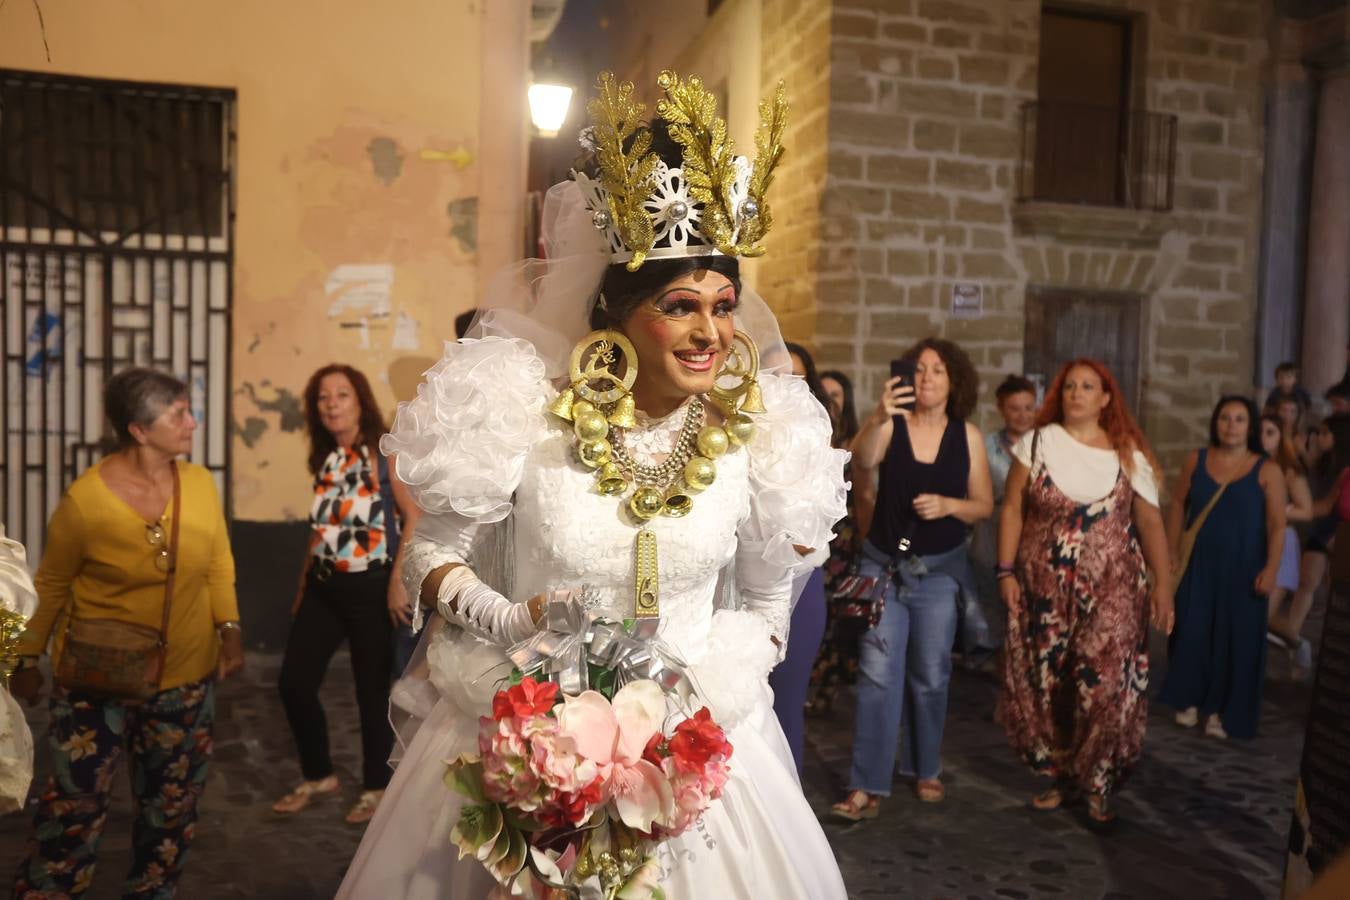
1200,819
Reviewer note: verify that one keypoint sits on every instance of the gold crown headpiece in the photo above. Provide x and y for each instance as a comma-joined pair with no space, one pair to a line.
713,203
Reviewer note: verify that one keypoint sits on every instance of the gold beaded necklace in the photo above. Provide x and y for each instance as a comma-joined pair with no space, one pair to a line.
599,404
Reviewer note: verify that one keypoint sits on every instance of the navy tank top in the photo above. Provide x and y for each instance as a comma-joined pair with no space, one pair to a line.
903,478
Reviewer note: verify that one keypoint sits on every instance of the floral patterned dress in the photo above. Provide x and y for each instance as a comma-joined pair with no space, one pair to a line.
1075,671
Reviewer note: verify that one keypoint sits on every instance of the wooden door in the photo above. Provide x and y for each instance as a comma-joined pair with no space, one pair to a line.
1065,324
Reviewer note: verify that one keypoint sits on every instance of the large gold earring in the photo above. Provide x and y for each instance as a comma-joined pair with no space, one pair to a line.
602,372
742,394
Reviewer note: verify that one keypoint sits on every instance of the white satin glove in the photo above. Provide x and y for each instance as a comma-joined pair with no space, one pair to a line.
467,602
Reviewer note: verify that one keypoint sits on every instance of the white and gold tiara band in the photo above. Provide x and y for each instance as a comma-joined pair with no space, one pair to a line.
712,204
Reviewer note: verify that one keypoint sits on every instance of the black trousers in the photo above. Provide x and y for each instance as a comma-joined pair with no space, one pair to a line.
349,607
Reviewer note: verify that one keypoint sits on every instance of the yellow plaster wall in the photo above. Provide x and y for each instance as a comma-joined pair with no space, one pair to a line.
317,83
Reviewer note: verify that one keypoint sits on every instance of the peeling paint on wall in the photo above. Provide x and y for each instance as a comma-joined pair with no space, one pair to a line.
385,158
463,215
252,429
405,333
285,404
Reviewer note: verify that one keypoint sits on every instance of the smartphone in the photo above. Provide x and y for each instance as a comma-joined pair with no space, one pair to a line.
904,369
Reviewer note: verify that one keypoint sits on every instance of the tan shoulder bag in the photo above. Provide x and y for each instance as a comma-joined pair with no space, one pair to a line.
117,659
1190,534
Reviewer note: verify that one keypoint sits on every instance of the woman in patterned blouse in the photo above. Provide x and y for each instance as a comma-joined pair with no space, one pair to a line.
348,590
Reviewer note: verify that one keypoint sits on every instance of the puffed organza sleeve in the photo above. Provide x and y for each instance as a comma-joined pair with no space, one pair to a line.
460,447
797,495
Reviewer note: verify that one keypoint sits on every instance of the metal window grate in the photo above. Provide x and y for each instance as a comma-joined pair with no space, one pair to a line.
116,227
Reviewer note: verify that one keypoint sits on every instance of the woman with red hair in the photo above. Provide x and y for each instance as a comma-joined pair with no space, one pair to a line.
1080,520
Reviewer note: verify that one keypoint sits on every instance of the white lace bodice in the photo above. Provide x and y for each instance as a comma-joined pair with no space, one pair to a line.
477,447
567,535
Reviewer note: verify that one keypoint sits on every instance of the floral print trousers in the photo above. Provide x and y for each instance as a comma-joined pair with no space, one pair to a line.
168,739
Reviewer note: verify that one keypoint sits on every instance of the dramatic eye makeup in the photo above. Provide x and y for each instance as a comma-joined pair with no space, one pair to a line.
683,304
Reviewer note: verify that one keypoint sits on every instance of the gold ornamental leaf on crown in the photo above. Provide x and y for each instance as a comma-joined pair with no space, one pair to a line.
627,177
709,159
713,201
768,152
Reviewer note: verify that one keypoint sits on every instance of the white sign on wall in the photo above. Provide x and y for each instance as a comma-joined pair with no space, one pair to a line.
967,300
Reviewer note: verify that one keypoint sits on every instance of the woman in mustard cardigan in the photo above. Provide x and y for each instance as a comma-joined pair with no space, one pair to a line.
107,556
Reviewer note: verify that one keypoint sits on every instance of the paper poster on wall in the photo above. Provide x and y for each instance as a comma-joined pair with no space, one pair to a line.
361,290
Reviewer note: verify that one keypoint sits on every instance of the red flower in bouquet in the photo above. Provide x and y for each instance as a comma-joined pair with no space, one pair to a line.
529,698
697,740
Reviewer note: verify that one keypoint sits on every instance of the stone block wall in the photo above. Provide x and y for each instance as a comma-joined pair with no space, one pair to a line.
924,126
795,47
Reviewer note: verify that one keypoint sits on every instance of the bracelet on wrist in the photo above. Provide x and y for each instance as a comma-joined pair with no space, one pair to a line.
999,576
228,626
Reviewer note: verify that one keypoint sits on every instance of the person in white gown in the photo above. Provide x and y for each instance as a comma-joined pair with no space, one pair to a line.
511,515
18,602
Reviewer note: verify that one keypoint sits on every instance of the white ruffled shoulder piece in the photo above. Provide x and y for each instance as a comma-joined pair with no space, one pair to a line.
797,487
461,443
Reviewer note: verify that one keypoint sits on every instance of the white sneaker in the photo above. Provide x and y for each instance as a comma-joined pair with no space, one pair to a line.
1214,727
1187,718
1302,655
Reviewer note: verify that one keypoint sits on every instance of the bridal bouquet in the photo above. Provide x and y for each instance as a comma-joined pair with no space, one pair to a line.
569,796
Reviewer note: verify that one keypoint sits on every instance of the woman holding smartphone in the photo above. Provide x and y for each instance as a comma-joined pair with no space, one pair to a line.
934,486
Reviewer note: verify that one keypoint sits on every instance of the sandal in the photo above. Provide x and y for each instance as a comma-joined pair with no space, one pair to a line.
1058,796
304,794
858,805
930,790
364,809
1098,811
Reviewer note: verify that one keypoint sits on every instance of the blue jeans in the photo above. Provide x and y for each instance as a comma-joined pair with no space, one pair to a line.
904,672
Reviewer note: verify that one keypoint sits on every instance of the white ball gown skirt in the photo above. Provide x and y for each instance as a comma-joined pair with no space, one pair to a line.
759,840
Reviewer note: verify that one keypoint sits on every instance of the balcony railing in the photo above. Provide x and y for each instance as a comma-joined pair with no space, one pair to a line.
1097,155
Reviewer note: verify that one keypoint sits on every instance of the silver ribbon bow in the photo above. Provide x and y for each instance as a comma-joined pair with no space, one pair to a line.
571,639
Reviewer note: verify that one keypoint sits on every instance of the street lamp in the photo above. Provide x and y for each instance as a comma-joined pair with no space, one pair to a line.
548,107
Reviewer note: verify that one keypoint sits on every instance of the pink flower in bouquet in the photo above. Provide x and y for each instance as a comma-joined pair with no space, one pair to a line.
692,792
508,776
574,785
614,736
554,758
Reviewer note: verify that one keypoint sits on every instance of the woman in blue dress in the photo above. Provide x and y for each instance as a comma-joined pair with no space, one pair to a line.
1216,656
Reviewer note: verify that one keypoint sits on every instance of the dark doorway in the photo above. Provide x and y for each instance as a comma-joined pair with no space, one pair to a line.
1065,324
1082,108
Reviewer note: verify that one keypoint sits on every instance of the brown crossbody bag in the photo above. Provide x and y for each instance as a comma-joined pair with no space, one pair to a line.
116,659
1188,536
